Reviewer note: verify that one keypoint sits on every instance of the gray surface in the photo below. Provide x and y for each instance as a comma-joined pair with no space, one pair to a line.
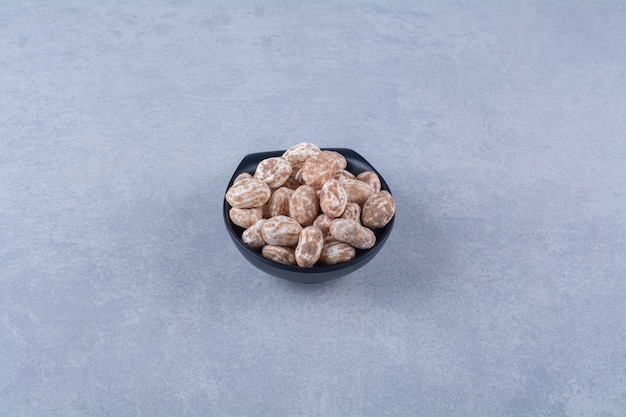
499,126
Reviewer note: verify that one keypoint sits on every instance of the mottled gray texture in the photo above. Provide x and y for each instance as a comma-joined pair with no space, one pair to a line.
500,127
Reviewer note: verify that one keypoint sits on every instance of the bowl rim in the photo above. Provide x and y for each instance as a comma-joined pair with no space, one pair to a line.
381,234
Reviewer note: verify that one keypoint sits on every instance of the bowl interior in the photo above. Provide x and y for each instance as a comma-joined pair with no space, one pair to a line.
356,165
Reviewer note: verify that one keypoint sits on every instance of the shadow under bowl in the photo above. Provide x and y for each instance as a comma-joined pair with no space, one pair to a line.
316,274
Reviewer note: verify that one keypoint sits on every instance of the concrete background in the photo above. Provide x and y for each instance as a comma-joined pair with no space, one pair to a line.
500,127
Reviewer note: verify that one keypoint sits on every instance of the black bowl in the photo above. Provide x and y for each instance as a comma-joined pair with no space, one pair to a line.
317,274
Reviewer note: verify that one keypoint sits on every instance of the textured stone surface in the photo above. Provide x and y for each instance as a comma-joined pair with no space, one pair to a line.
501,291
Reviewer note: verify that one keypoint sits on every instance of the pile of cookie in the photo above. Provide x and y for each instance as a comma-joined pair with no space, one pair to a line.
304,208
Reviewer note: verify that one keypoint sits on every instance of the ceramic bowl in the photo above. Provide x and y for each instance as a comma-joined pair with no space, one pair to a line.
316,274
